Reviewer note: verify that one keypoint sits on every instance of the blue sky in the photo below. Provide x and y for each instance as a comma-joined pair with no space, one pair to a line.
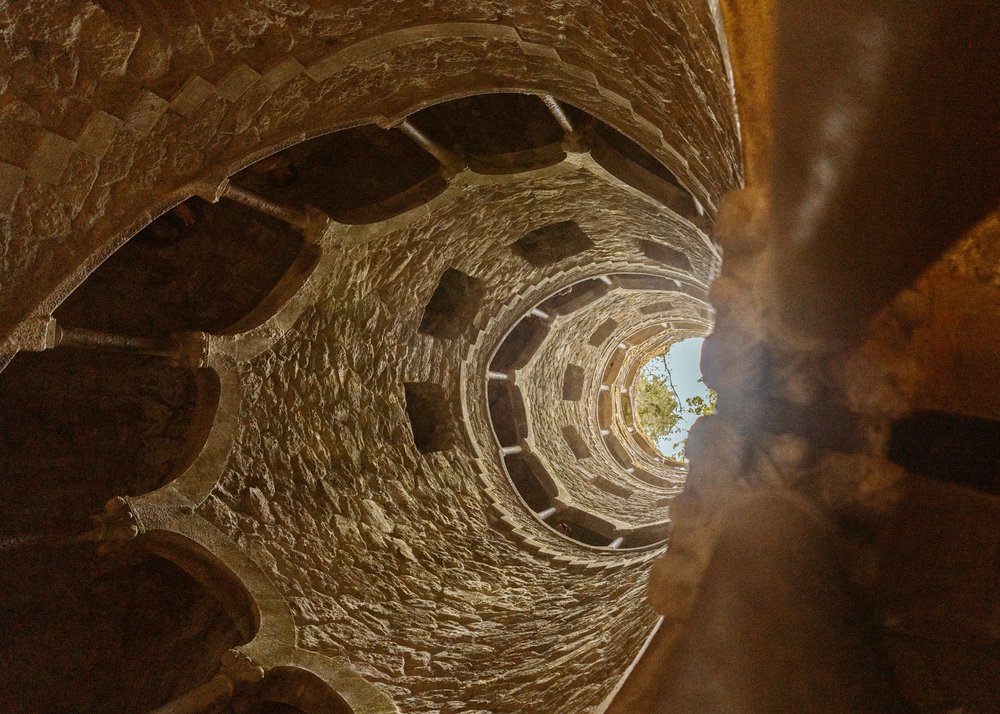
684,358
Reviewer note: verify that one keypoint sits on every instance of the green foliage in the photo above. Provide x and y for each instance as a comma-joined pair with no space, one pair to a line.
658,410
699,406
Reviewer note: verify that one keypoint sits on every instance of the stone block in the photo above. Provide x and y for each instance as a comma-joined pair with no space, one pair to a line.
191,96
240,78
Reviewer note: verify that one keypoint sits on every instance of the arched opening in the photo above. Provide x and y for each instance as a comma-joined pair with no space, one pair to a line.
200,266
119,632
78,427
496,133
292,690
358,175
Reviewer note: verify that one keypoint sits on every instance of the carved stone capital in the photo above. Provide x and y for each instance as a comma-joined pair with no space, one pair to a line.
240,669
193,349
36,334
116,524
577,142
316,223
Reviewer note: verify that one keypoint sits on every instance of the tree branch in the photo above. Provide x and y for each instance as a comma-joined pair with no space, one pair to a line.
670,380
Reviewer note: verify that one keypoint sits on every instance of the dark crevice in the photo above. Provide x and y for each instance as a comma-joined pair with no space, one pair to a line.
961,449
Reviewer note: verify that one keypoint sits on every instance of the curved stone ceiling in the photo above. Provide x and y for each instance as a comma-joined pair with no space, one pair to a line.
321,325
283,379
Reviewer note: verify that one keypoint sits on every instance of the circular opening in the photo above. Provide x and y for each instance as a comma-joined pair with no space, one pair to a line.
670,395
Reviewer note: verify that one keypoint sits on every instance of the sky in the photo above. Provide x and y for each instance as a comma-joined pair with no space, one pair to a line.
684,359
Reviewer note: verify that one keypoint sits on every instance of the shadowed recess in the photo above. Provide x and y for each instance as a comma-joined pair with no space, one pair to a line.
430,416
453,306
552,244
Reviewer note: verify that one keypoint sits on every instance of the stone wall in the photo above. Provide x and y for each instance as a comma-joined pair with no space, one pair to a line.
389,556
361,552
114,113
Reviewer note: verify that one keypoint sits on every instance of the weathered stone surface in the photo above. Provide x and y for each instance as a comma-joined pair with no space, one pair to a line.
109,57
344,490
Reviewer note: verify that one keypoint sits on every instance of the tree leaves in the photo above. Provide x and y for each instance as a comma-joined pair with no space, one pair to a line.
659,411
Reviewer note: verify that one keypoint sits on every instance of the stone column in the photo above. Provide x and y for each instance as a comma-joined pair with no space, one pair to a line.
451,163
235,672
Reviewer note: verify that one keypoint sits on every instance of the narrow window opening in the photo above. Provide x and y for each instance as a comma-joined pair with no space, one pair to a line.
573,383
507,413
664,254
606,484
552,244
638,281
521,344
575,442
526,474
492,124
453,306
430,416
656,307
568,526
574,297
603,332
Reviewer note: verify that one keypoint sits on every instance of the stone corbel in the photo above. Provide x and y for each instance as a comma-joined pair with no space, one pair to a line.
237,672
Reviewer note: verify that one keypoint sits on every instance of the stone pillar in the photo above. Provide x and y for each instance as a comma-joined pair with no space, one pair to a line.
553,105
185,349
574,141
235,671
293,216
98,340
117,524
547,513
452,163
